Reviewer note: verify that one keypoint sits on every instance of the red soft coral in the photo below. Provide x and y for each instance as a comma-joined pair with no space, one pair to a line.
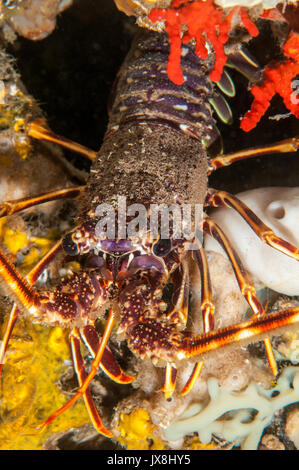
203,20
278,78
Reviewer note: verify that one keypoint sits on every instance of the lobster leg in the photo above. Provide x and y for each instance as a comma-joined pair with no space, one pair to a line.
38,305
14,314
94,368
245,333
39,130
179,312
21,289
108,363
81,374
192,379
26,296
169,379
178,315
247,289
285,146
31,278
221,198
207,308
11,207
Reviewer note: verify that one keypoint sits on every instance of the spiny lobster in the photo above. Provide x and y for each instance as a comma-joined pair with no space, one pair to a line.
154,151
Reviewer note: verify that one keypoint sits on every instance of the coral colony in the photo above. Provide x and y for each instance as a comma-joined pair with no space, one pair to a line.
278,78
185,21
196,16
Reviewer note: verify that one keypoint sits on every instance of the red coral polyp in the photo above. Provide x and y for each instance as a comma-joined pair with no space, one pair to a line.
278,78
201,21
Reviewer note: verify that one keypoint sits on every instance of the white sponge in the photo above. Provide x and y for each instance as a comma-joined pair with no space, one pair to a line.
278,207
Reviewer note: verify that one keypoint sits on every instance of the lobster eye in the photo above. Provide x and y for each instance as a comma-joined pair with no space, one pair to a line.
69,246
162,247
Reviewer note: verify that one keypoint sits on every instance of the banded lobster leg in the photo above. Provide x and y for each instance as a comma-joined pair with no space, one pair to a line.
284,146
179,311
169,379
39,130
207,309
45,306
177,315
11,207
8,208
222,198
108,364
40,305
81,374
247,289
203,344
31,278
207,306
242,333
218,198
86,379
